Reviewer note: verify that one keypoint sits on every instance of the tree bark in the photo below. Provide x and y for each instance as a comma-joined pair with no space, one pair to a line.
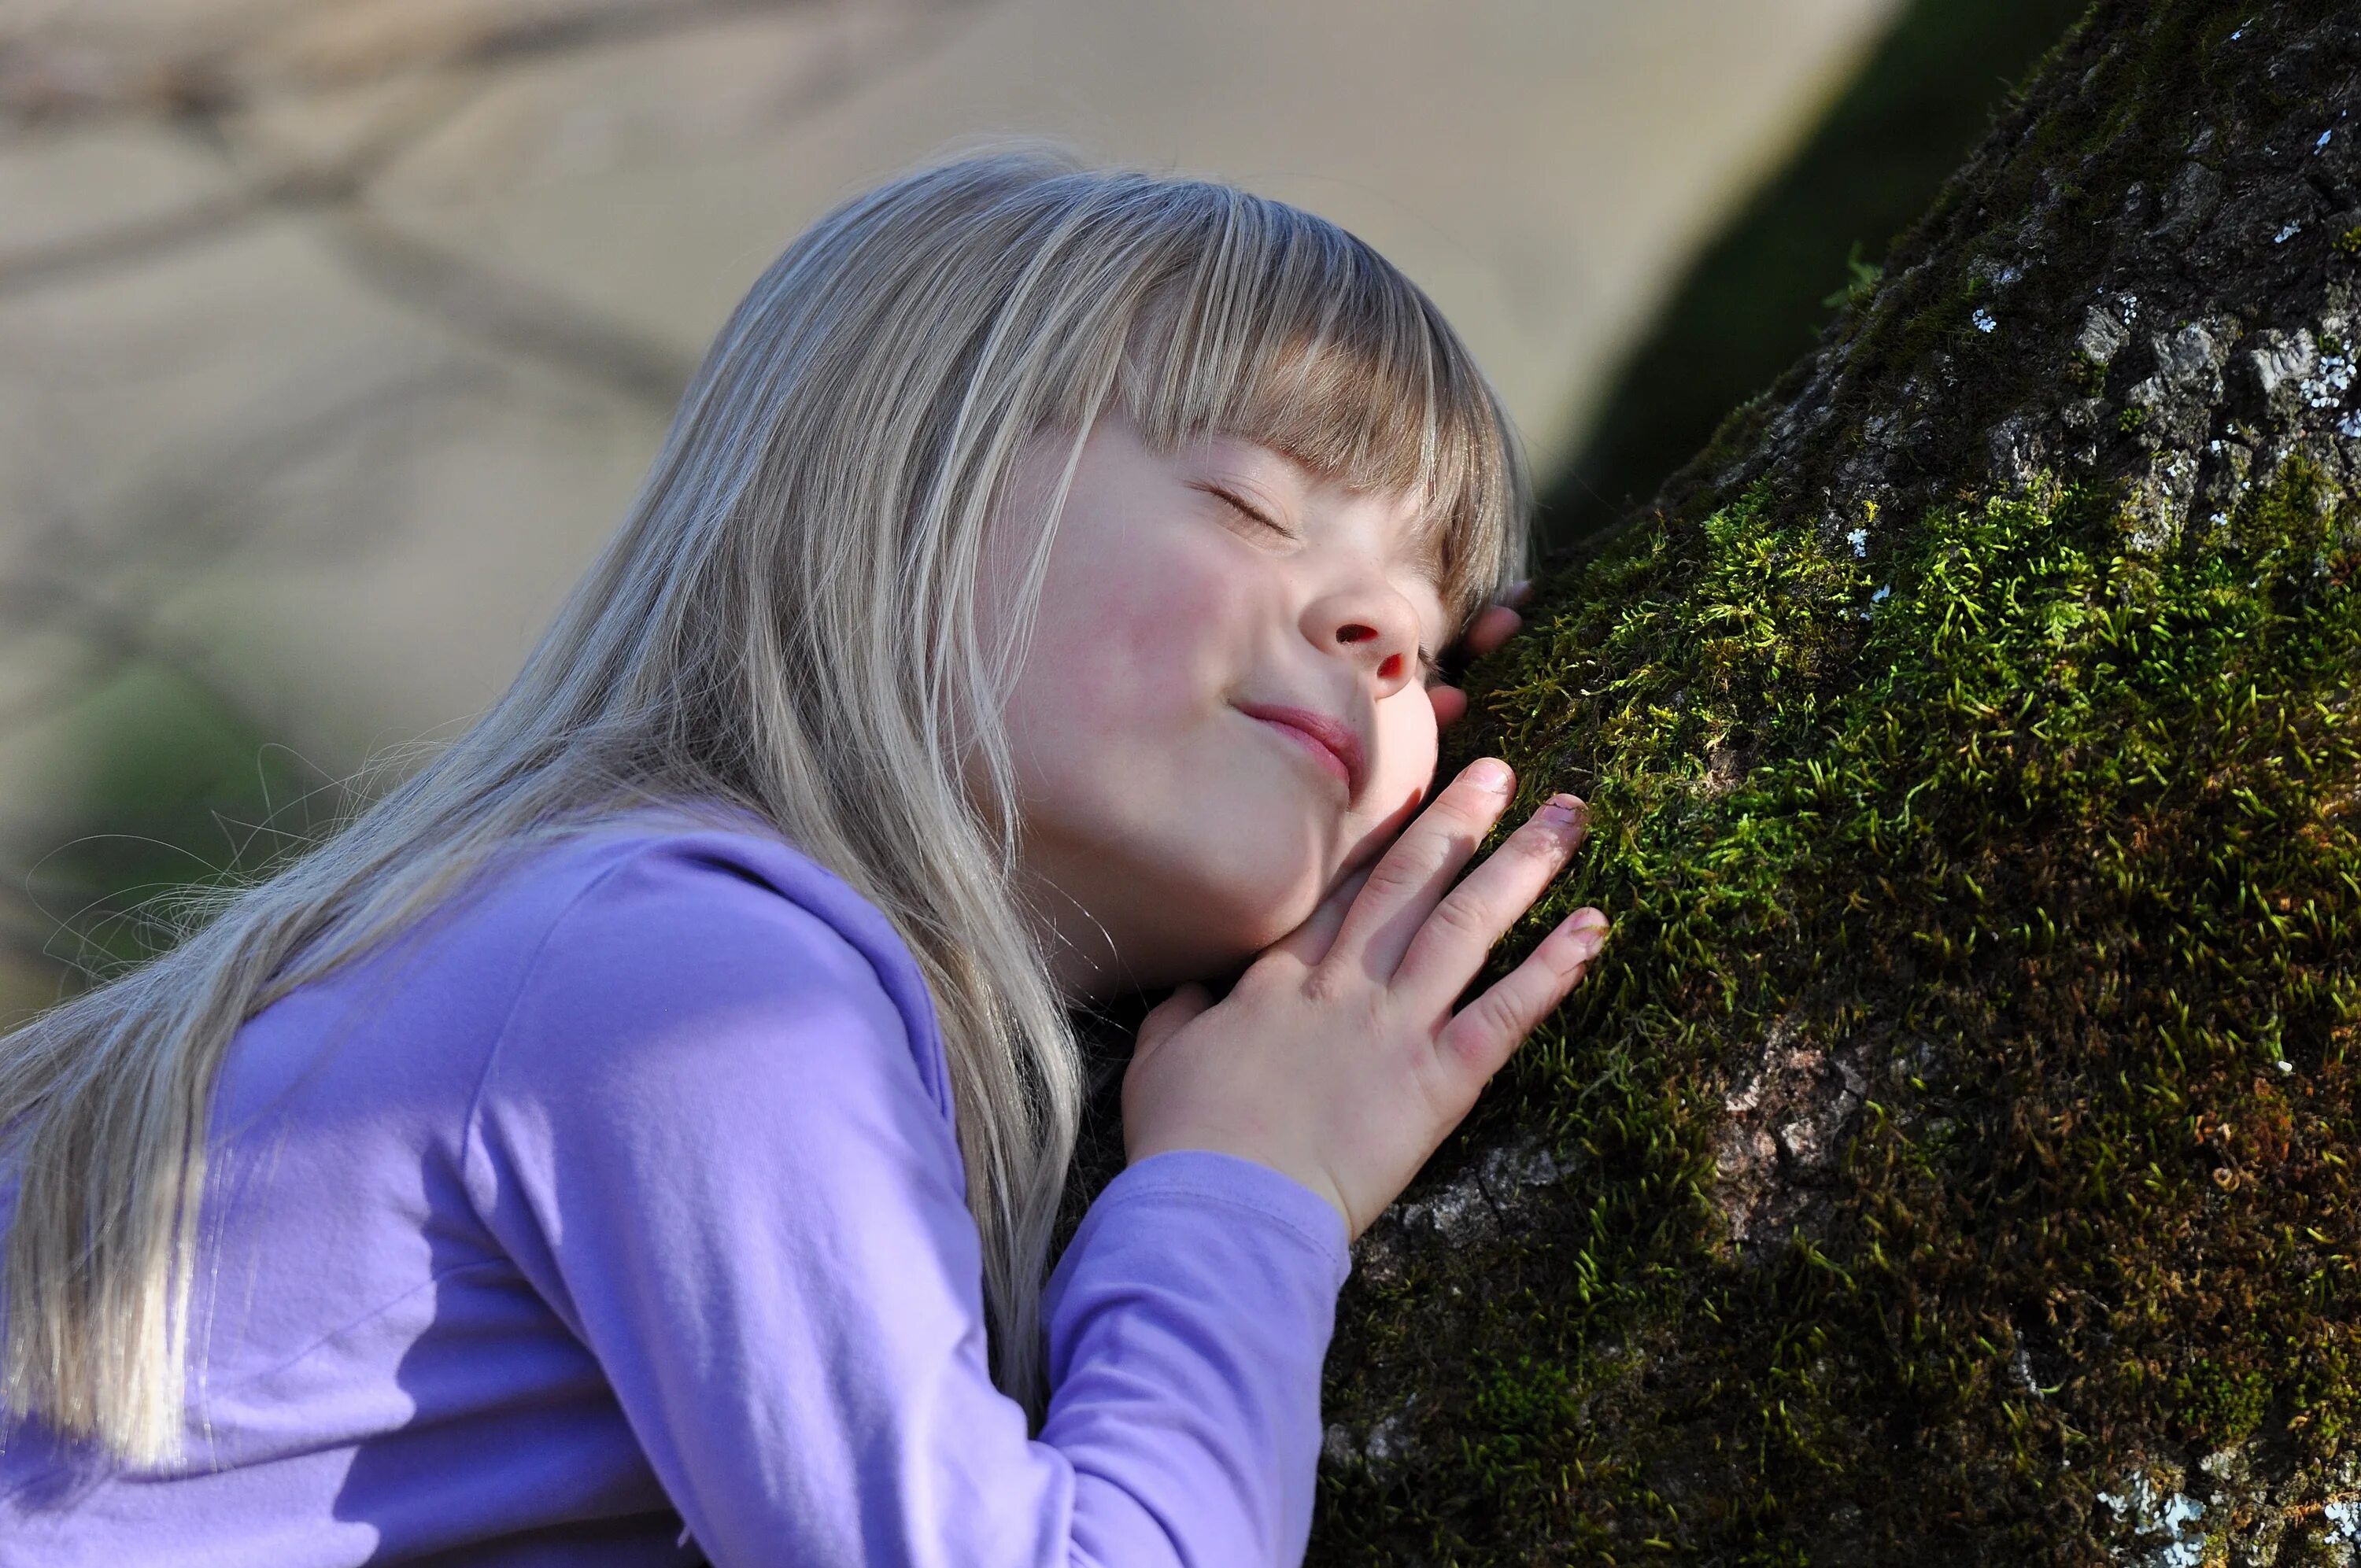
1956,1158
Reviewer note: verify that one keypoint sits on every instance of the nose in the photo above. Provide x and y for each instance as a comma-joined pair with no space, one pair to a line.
1373,625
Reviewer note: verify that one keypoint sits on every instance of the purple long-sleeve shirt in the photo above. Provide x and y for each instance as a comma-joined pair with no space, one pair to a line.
615,1215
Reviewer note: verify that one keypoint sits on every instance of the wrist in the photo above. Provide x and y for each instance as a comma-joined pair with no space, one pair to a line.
1304,1174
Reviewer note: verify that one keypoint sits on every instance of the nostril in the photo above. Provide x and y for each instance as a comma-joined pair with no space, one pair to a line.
1355,633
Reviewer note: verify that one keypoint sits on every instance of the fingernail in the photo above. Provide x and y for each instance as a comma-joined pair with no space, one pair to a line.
1588,920
1489,773
1561,811
1587,941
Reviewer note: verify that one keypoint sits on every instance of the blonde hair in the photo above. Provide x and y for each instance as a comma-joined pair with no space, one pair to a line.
784,622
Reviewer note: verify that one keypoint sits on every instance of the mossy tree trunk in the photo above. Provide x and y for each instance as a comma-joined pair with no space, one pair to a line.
1956,1158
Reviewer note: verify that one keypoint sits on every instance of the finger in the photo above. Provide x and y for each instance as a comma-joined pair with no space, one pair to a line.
1451,944
1450,705
1188,1000
1483,1034
1493,627
1417,867
1308,942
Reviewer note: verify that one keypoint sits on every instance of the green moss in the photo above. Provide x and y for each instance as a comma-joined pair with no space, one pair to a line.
2221,1403
2061,845
2029,854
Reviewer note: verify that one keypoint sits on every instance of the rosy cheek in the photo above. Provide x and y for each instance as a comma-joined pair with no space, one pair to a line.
1091,598
1132,641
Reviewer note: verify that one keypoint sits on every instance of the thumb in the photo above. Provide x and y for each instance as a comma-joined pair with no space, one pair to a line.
1188,1000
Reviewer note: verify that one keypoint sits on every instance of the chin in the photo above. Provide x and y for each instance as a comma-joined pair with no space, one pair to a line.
1239,924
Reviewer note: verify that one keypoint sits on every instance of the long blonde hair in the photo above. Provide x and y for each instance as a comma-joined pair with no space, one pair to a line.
784,622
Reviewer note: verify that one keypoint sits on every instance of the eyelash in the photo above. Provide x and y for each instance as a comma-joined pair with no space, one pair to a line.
1430,672
1241,507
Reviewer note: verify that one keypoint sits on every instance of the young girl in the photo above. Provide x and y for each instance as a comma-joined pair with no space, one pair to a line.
638,1135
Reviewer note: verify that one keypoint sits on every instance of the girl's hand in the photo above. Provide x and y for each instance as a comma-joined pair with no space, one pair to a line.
1336,1058
1493,626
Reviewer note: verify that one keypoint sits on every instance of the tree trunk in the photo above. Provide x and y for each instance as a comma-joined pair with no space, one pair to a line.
1957,1157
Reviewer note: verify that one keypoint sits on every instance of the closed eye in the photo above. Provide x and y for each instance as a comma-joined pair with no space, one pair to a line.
1431,672
1240,507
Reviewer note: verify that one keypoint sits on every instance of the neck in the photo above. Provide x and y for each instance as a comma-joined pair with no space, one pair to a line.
1081,952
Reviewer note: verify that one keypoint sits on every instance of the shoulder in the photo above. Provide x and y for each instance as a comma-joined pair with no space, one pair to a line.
688,937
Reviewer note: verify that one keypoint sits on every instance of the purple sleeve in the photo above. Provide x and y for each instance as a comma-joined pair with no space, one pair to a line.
710,1143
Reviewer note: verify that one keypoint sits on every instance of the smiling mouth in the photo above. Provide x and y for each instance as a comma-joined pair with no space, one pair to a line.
1312,746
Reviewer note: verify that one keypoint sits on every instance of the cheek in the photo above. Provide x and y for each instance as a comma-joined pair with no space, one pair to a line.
1126,654
1407,746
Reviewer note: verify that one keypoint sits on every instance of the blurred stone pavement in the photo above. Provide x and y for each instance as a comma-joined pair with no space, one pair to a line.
335,333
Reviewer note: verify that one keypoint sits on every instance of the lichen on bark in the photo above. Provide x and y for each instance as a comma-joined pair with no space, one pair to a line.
1954,1158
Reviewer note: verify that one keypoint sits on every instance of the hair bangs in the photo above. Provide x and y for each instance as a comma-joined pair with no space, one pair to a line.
1288,331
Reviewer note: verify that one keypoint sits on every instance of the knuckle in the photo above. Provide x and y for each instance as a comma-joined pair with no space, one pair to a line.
1491,1024
1507,1016
1395,875
1326,986
1461,912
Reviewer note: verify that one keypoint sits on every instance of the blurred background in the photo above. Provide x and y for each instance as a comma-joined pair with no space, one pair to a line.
335,333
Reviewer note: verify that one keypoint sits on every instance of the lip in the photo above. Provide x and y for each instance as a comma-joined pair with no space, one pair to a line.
1336,739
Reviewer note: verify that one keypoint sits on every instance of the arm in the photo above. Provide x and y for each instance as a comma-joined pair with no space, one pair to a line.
1188,1322
714,1144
